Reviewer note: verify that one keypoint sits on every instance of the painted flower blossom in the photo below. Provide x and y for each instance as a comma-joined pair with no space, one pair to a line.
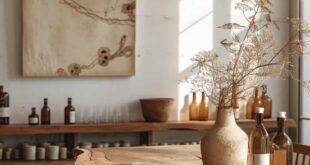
74,69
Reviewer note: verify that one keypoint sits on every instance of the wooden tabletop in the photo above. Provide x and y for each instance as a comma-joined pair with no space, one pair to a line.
156,155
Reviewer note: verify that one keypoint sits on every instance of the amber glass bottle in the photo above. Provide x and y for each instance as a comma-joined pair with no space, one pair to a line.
193,109
33,117
259,144
69,113
281,140
266,102
256,103
203,109
4,107
45,113
249,105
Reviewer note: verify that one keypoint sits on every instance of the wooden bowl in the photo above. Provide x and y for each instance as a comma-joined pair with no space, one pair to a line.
156,109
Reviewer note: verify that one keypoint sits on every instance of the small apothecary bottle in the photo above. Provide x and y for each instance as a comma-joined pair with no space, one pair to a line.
193,109
45,113
33,117
266,102
69,113
4,107
203,110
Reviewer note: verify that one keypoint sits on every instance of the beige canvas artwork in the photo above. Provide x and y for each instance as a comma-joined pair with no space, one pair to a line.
78,38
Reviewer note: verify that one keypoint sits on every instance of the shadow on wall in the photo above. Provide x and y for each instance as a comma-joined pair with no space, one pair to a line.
198,20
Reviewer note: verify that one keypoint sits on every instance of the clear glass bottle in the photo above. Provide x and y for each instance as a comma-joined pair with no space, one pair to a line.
281,141
203,109
45,113
33,117
4,107
266,102
259,142
193,109
69,113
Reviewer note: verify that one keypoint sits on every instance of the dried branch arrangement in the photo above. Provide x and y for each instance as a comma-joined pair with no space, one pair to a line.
253,55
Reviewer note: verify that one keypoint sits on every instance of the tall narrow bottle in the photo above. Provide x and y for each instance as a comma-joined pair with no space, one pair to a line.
69,113
33,117
266,102
249,105
259,144
4,107
281,140
203,109
193,109
45,113
256,103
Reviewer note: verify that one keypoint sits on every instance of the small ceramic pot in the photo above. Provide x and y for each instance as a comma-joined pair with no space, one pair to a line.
30,152
1,153
63,153
41,153
53,152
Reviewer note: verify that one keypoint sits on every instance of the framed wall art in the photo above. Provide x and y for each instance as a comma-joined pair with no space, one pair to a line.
78,38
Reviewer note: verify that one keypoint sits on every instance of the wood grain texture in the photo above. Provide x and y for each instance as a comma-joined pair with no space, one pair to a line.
23,129
164,155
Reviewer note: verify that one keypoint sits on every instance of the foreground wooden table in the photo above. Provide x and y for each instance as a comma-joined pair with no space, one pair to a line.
157,155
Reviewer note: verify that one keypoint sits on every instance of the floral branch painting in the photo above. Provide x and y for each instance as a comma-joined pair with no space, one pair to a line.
78,38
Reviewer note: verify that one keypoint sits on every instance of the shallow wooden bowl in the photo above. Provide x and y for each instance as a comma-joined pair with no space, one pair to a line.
156,109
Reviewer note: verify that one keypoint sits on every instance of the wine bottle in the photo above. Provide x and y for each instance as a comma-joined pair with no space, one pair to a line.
281,140
33,117
4,107
203,109
69,113
45,113
259,144
256,103
193,109
266,102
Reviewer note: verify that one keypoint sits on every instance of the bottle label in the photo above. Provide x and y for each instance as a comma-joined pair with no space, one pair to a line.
261,159
4,112
33,120
72,117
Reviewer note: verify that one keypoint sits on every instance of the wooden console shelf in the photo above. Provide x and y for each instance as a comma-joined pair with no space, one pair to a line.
22,129
144,128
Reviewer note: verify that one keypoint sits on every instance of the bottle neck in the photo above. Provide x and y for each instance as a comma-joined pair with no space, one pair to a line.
203,97
45,103
259,118
69,102
33,111
194,96
281,126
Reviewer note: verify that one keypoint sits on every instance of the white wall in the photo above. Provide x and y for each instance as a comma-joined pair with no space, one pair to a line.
305,73
163,47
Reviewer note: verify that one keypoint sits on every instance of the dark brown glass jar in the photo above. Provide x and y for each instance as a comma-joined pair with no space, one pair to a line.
45,113
281,141
69,113
33,117
4,107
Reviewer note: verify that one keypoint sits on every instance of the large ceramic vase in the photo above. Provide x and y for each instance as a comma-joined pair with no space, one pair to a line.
226,143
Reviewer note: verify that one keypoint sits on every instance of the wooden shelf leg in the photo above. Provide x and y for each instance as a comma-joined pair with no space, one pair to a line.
70,142
146,138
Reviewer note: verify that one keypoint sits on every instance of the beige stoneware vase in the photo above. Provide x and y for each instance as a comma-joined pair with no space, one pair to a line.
226,143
